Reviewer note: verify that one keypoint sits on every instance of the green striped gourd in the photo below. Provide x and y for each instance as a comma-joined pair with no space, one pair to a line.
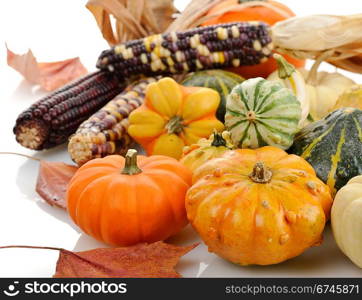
218,80
333,146
261,112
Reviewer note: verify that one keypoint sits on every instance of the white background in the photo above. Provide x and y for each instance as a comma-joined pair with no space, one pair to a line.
57,30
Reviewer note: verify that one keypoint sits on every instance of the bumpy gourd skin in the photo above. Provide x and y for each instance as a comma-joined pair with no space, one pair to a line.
258,223
333,146
206,149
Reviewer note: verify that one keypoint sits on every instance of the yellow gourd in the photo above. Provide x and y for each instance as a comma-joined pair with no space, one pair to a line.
352,97
206,149
346,219
173,116
323,88
258,206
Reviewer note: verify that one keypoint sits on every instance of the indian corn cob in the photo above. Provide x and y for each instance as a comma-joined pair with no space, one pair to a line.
53,118
211,47
105,132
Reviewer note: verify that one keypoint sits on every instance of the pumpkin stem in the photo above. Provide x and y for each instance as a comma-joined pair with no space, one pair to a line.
130,165
261,173
285,69
218,140
174,125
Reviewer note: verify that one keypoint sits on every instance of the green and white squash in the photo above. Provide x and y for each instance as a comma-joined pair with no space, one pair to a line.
261,112
218,80
291,78
333,146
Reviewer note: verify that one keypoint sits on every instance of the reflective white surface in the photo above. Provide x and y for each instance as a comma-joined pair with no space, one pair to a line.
58,30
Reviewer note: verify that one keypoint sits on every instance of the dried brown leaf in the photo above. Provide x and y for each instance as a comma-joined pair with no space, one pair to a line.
53,178
163,11
50,75
25,64
156,260
57,74
134,18
194,11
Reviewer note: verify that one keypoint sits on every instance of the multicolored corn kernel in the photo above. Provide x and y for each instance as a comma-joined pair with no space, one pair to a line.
212,47
53,118
105,132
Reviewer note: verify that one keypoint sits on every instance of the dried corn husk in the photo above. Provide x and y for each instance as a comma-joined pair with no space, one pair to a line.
134,19
337,38
192,15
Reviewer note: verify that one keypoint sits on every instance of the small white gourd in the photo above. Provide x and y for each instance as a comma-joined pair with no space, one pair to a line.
346,219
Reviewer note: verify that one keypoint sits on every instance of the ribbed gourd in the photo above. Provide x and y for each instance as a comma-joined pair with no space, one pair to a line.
173,116
218,80
291,78
123,201
333,146
261,112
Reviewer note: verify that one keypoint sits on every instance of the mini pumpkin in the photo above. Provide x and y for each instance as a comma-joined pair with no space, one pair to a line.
258,206
346,219
173,116
125,201
206,149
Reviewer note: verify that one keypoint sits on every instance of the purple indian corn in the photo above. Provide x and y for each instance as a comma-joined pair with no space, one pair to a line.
105,132
52,119
211,47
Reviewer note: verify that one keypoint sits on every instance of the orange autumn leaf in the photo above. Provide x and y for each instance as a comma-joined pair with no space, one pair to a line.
53,178
49,75
156,260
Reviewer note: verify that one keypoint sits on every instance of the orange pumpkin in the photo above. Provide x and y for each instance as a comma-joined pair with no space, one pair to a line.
258,206
125,201
270,13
